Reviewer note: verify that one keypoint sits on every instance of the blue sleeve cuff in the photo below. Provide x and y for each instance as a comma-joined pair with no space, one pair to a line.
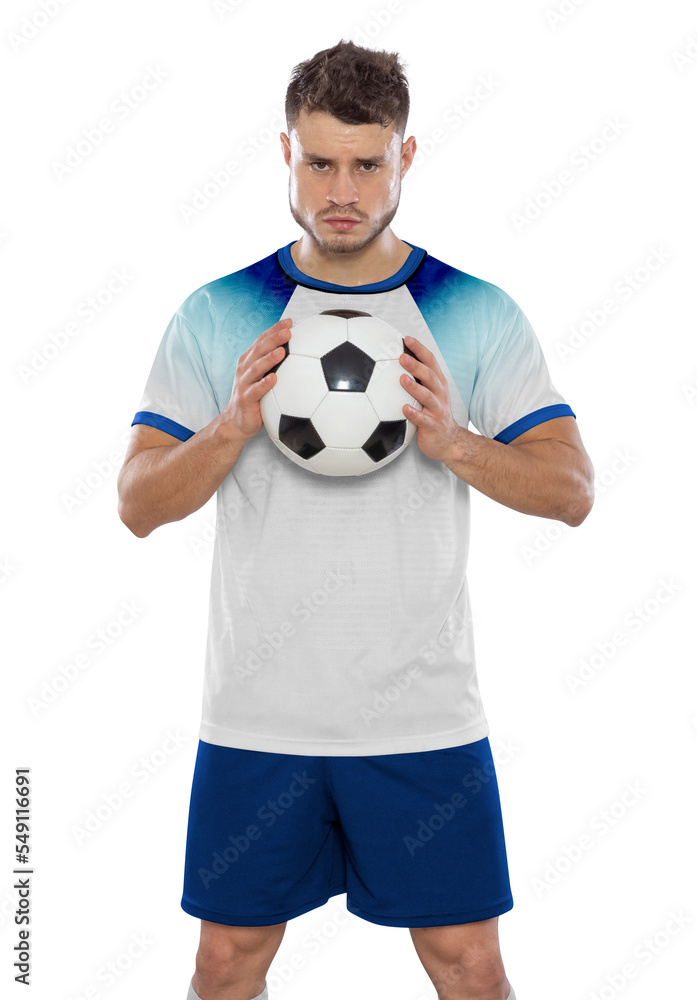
532,419
163,424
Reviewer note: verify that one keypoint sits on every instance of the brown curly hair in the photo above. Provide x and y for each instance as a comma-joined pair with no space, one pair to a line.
354,84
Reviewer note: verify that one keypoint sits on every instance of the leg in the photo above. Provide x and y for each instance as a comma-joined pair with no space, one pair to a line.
232,962
463,960
230,882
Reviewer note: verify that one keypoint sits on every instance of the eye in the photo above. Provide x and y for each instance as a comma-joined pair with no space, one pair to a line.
322,163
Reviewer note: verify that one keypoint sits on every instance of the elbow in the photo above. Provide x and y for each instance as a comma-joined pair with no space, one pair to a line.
138,532
135,529
126,516
574,522
125,508
582,507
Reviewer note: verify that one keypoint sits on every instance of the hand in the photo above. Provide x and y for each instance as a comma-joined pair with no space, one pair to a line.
436,429
253,379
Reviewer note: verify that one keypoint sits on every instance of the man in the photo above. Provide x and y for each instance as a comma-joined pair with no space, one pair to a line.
343,744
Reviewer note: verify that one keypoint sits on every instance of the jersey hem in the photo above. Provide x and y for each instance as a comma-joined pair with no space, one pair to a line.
238,740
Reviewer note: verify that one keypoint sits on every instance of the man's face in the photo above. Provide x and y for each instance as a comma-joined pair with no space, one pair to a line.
344,170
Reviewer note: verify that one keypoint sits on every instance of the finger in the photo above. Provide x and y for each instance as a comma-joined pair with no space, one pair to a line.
276,333
266,344
417,369
424,376
416,346
417,416
424,355
268,335
415,389
260,386
269,360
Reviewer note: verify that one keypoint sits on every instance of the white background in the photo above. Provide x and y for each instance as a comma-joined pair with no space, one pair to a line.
546,597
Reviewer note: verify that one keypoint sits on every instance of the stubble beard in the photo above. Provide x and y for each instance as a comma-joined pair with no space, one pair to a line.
343,242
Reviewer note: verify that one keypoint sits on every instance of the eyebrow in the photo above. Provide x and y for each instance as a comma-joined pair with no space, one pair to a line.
357,159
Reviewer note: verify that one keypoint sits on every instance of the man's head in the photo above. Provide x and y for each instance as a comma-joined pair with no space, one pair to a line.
346,109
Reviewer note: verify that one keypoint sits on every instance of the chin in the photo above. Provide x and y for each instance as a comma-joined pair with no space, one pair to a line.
346,246
344,242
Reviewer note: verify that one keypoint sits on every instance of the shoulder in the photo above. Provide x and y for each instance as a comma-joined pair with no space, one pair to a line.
208,305
491,305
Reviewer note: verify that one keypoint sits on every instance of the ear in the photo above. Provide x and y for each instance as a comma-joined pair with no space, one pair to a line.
408,151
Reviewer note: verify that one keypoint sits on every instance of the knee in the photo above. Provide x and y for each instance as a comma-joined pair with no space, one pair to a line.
477,967
215,962
222,961
482,976
488,981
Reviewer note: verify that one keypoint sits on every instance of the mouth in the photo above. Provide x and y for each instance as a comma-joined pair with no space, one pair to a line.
342,223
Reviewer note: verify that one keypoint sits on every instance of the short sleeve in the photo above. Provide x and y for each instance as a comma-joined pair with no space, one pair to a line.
178,397
512,390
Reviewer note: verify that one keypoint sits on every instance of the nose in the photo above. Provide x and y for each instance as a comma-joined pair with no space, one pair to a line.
343,190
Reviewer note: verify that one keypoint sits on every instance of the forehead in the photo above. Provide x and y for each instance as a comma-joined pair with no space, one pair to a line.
318,135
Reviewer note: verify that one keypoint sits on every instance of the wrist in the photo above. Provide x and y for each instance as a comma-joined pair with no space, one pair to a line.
457,453
226,434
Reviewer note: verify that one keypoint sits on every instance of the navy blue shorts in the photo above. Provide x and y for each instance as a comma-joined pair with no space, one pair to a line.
413,839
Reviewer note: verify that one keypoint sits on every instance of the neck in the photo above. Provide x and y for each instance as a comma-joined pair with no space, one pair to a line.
380,259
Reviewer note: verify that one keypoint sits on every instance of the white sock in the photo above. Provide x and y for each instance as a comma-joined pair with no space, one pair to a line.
511,995
264,995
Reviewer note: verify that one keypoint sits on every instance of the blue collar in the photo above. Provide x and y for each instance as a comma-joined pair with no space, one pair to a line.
287,265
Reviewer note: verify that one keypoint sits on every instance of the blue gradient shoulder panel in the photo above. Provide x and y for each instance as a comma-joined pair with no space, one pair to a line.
489,348
483,335
247,302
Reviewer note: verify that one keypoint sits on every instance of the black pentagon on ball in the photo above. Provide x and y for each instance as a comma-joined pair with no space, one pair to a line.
387,437
300,435
347,368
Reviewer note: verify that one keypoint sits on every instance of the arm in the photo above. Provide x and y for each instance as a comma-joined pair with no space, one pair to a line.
164,479
544,471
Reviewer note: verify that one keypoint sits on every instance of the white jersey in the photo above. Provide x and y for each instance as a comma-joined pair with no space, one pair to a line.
340,620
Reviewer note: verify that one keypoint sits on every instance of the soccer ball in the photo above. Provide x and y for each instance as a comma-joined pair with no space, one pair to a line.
336,406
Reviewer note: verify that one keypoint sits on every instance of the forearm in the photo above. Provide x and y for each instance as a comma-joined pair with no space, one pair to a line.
542,477
167,483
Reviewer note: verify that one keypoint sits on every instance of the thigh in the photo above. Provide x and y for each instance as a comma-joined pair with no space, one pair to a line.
262,844
222,942
238,957
454,942
462,956
423,836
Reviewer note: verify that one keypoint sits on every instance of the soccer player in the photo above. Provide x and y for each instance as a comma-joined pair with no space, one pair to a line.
343,745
